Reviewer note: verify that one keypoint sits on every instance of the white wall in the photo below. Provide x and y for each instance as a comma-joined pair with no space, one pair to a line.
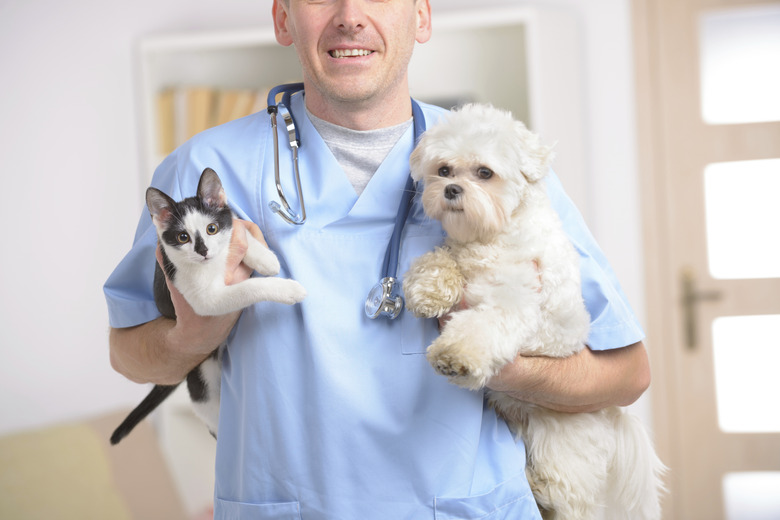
69,152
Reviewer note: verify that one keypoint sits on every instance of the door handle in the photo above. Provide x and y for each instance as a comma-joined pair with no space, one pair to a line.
691,297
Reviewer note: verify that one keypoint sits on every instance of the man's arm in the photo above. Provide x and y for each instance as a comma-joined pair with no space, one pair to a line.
585,382
163,351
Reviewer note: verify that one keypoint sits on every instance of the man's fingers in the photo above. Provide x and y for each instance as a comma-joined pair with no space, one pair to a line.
254,230
177,299
236,270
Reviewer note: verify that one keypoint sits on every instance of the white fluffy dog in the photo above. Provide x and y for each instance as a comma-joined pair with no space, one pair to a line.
507,258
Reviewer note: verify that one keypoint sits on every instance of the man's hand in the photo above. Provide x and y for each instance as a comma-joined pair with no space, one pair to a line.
236,271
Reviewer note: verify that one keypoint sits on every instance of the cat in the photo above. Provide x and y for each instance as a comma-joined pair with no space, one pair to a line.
194,236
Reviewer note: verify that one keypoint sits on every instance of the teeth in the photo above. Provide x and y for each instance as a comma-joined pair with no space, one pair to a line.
346,53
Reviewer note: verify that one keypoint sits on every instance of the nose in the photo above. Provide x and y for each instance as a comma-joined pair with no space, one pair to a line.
200,246
349,15
452,191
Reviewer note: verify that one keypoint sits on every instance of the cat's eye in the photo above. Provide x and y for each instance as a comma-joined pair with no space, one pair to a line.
444,171
484,173
212,229
183,238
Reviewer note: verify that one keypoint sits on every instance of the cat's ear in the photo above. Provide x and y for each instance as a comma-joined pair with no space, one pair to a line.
160,205
210,189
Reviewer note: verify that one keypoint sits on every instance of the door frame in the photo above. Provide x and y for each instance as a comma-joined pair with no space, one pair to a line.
655,220
664,265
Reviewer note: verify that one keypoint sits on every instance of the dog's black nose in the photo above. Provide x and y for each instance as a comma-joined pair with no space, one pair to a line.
452,191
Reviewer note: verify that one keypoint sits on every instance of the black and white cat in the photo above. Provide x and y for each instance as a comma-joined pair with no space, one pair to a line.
194,235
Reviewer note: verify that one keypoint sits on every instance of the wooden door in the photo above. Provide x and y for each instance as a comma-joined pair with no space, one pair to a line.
711,193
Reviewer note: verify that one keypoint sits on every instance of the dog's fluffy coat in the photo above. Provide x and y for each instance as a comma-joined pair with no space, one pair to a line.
507,258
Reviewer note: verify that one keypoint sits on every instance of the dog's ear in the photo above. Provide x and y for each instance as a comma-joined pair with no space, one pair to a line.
535,158
416,160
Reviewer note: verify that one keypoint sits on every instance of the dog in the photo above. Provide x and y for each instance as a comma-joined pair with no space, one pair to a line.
508,278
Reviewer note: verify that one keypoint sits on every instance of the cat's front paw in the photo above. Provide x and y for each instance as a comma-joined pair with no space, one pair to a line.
265,264
260,258
290,291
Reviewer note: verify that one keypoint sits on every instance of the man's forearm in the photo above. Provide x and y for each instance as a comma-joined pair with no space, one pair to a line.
584,382
147,354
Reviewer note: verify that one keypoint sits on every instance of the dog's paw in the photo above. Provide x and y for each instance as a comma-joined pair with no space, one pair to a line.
433,285
461,363
426,307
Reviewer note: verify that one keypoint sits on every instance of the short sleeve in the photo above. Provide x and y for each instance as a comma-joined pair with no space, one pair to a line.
613,323
128,290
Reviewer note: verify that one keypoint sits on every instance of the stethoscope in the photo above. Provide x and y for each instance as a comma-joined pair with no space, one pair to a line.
384,299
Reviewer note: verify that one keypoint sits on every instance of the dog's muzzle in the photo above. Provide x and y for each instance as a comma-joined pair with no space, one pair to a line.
452,191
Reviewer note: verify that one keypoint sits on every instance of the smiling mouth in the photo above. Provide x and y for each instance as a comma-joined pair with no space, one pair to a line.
349,53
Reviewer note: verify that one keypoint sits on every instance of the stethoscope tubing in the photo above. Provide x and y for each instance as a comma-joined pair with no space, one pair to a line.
393,248
390,303
284,209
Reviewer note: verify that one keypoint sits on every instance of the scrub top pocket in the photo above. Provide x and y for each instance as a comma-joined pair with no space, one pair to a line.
417,333
511,499
227,510
413,329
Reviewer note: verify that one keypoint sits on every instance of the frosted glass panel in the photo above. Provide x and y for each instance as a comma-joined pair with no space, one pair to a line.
747,358
743,218
740,65
752,496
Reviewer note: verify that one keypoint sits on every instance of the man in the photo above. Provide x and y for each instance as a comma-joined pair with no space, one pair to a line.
326,414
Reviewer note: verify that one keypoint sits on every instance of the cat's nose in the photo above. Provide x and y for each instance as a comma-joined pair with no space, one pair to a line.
452,191
201,248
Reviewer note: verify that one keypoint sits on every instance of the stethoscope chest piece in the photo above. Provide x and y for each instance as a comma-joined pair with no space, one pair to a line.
382,301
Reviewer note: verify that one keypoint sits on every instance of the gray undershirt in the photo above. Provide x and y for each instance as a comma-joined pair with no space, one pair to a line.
358,152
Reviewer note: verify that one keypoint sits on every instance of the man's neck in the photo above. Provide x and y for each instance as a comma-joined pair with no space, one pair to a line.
357,115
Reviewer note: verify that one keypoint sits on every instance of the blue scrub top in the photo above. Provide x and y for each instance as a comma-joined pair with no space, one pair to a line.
326,414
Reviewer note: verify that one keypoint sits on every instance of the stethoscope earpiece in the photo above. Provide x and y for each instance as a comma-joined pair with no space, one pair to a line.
284,210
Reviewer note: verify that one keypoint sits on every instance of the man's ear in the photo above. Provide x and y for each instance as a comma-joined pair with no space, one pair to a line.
281,18
423,21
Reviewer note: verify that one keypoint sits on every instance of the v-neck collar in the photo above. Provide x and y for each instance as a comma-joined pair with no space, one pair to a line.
329,196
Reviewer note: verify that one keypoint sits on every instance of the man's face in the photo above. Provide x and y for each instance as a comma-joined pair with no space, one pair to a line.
353,50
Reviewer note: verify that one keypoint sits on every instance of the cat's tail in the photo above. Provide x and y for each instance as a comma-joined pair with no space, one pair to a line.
158,394
637,471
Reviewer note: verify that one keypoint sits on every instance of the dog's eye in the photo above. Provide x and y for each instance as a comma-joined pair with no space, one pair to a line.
485,173
444,171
